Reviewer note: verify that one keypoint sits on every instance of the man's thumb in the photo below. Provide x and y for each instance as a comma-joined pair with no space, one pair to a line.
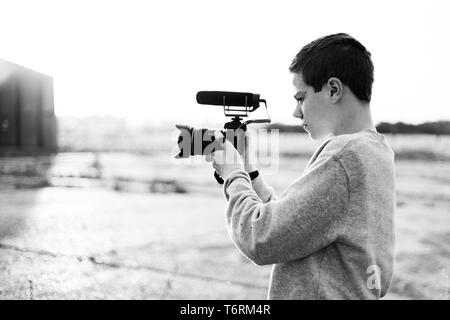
219,136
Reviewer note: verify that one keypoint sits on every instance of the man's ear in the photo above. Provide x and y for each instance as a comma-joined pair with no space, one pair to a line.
335,89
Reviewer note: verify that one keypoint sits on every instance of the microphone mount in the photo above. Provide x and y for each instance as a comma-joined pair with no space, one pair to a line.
238,112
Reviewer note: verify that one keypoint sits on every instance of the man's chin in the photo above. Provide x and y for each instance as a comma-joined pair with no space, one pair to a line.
309,131
314,135
311,136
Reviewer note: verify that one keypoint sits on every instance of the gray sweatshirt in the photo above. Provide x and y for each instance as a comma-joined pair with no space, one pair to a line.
331,234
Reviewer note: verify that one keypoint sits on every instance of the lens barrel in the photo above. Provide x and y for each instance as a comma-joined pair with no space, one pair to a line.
202,141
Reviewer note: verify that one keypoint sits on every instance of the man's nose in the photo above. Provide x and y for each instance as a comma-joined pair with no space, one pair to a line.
298,112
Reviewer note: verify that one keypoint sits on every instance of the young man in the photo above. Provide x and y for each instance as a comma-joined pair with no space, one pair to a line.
331,234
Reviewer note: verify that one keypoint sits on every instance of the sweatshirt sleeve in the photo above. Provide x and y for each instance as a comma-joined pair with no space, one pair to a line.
264,192
309,216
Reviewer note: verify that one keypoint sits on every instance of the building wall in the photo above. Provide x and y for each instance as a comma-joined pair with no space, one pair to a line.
27,117
9,113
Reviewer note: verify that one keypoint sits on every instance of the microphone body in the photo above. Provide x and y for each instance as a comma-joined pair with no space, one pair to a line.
225,98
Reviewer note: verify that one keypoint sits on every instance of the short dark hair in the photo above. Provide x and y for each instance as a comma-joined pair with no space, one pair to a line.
338,55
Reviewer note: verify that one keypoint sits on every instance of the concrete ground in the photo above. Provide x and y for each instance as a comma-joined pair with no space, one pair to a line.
81,237
67,243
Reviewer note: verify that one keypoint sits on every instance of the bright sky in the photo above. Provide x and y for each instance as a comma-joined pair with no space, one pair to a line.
145,60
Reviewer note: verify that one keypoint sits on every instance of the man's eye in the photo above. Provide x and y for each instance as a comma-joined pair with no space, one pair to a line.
300,100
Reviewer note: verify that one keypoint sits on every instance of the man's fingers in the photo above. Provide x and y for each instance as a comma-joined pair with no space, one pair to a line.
209,157
216,166
219,136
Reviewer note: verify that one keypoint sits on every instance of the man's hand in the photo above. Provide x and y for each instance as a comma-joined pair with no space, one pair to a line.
249,154
227,160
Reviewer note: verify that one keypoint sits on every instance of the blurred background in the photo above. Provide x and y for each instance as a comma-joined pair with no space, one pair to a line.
92,203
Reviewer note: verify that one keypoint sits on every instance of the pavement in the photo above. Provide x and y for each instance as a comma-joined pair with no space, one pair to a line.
75,243
132,229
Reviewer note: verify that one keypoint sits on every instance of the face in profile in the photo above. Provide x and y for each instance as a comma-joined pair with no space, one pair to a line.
313,108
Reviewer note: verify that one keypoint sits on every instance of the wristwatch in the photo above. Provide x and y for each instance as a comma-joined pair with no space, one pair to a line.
253,175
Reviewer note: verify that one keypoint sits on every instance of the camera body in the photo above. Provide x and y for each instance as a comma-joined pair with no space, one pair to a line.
194,141
202,141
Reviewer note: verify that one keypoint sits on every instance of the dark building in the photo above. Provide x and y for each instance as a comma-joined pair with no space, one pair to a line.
27,116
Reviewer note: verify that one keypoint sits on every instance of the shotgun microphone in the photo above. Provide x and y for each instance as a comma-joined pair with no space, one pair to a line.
225,98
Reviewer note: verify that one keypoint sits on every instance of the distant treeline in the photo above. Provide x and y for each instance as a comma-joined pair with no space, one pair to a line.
438,127
285,127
